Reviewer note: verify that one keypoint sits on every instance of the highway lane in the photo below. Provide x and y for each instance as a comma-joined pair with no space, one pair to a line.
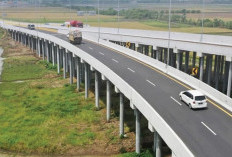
207,133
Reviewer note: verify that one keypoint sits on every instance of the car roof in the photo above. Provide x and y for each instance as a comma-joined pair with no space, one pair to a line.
196,93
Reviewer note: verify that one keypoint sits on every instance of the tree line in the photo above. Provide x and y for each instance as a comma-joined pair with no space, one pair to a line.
177,16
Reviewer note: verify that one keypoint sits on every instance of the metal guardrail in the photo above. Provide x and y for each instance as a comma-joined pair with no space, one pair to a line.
153,117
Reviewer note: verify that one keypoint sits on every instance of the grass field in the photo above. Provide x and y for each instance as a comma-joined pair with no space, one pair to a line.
60,15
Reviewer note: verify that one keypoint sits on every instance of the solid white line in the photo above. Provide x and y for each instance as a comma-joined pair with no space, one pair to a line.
90,48
176,101
102,53
115,60
208,128
131,70
151,83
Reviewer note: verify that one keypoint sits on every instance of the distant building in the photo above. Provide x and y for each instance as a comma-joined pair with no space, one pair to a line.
82,13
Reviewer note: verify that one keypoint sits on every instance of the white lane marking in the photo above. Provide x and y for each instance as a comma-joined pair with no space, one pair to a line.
208,128
131,70
90,48
102,53
151,83
115,60
176,101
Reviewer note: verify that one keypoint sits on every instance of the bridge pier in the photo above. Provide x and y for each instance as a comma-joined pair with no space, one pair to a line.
47,50
217,74
39,47
86,81
64,64
121,119
78,73
194,59
71,67
158,145
137,130
201,65
43,49
53,54
97,89
229,79
178,59
209,69
58,58
186,61
108,100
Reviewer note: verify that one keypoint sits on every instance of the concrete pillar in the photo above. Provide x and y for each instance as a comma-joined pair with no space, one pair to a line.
97,89
71,67
78,73
86,81
58,59
137,130
39,48
64,65
158,145
209,69
178,60
66,62
43,49
47,50
217,72
121,119
165,56
53,54
225,77
108,100
194,59
229,80
201,66
186,62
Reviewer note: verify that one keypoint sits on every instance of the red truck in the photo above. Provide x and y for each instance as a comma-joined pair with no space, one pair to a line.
74,23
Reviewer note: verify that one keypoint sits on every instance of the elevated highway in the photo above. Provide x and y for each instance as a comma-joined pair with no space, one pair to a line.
154,93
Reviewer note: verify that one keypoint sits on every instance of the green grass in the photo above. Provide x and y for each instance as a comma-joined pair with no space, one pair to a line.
35,116
22,68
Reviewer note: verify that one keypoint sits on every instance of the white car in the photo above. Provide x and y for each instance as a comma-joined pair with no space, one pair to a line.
193,98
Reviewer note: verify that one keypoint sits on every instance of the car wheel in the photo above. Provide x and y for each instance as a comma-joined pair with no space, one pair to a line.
190,106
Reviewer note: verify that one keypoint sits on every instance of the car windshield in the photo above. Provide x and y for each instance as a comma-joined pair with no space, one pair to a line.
199,98
32,25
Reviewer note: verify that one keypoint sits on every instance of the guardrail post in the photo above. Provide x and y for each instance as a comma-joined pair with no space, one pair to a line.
58,58
229,80
158,145
137,130
78,73
108,100
71,67
97,89
86,81
64,64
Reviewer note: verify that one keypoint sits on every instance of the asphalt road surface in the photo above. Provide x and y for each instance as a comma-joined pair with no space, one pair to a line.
207,132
